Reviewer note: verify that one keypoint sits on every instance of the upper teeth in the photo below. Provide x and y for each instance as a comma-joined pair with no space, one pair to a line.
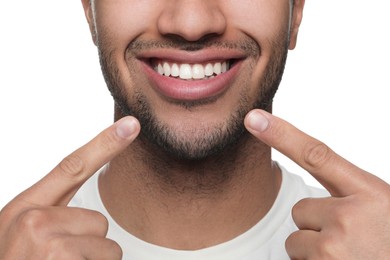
191,71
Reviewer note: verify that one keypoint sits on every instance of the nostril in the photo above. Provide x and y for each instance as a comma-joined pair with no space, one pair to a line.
192,20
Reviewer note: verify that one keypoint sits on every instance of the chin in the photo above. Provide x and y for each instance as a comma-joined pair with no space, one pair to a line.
193,143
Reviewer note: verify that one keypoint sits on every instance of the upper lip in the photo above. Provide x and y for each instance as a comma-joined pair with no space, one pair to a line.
192,57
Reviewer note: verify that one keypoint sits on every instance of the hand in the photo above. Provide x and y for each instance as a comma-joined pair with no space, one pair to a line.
37,224
352,224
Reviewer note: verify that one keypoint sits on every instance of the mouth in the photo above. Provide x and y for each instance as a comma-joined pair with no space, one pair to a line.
191,79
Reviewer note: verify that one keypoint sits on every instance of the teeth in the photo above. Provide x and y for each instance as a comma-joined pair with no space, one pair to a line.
195,71
175,70
160,69
208,70
217,68
224,67
167,69
185,71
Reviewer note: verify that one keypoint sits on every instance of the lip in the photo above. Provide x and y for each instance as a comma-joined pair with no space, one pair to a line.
191,90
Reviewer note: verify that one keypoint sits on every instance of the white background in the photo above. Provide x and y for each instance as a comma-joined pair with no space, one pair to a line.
53,98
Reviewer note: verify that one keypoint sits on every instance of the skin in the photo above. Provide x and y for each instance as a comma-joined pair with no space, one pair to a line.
200,190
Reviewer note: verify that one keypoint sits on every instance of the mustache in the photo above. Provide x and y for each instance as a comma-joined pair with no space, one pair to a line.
247,45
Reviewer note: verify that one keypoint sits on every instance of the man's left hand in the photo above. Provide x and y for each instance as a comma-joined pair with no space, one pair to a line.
354,223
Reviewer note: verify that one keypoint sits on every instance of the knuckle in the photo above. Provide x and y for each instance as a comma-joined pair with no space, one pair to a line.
101,221
292,242
72,165
114,249
297,209
343,220
101,218
33,221
327,248
316,154
58,248
289,243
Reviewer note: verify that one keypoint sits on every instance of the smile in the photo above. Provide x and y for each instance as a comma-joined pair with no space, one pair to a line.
182,76
184,81
186,71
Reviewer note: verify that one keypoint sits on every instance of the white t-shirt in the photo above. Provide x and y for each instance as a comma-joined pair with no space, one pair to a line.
265,240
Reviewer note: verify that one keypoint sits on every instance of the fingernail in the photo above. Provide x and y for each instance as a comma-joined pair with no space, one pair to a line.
126,127
257,121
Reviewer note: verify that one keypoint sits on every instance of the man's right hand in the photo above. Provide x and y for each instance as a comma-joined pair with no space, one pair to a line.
37,224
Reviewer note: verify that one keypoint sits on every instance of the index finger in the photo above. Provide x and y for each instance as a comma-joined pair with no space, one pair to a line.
337,175
59,186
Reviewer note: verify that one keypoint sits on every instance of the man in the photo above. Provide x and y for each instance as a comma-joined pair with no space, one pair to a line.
193,178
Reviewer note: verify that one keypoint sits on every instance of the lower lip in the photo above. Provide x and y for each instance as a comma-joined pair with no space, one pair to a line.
191,90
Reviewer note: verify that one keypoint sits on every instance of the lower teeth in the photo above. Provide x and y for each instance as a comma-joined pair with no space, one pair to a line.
205,78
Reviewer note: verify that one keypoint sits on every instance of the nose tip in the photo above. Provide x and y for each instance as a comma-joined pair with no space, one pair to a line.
192,20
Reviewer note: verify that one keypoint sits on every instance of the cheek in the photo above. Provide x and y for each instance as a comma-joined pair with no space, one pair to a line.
262,20
267,23
119,22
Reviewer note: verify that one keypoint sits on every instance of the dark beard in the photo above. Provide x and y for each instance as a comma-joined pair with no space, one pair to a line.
209,143
161,136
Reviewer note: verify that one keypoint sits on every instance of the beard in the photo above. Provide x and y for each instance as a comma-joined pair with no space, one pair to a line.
207,140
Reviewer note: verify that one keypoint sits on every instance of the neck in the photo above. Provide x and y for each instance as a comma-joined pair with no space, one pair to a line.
190,204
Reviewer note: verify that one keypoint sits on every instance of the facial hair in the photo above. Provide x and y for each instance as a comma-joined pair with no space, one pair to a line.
204,142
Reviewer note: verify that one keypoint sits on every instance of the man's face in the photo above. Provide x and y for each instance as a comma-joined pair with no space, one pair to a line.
190,70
